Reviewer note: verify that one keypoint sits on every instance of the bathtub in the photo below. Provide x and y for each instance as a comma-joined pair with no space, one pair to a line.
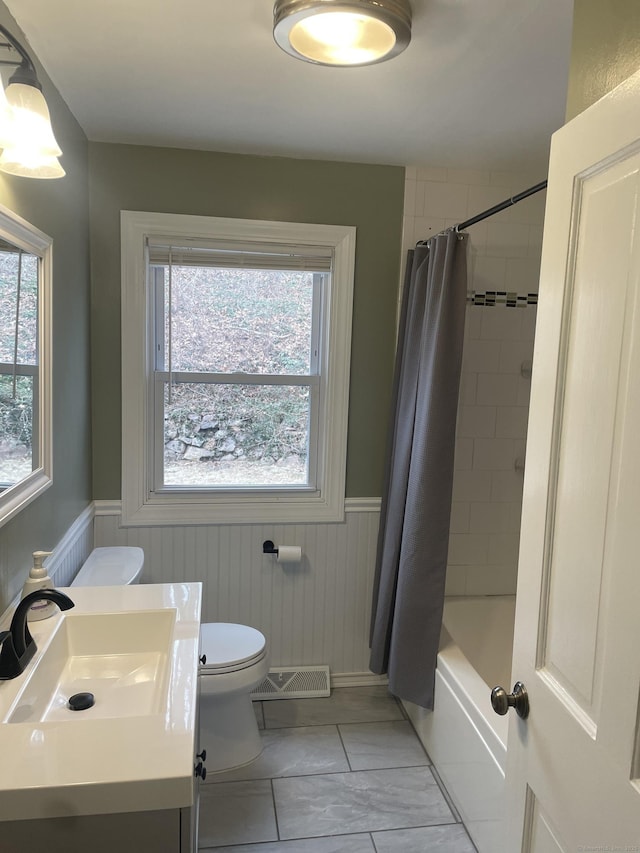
465,739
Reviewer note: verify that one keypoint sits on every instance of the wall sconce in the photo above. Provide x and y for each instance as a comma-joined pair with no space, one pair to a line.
342,32
29,147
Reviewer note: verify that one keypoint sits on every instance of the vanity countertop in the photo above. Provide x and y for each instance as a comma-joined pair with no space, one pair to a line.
89,762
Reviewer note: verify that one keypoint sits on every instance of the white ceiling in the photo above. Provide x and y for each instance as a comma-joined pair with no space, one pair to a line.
482,84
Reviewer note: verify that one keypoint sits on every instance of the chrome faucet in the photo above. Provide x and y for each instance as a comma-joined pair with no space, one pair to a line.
17,646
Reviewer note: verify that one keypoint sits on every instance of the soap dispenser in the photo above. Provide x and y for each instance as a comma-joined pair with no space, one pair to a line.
39,579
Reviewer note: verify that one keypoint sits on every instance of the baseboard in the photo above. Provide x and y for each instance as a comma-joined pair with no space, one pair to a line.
350,679
357,679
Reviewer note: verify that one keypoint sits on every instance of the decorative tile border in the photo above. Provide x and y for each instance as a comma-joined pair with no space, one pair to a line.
502,297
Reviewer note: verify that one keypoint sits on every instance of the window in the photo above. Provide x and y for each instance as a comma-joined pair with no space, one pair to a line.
25,363
18,362
236,343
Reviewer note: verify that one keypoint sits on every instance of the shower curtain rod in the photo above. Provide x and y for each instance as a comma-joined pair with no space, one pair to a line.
492,210
502,206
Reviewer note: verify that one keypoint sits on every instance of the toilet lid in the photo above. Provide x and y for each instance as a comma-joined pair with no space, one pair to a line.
226,644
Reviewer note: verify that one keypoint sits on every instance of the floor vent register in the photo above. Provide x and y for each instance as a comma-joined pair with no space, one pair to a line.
304,682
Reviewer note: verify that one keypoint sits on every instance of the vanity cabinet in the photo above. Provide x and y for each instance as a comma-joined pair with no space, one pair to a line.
118,778
161,831
166,831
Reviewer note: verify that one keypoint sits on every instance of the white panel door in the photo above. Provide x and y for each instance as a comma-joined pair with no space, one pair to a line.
573,771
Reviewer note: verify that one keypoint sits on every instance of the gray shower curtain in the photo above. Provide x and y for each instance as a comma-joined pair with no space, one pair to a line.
413,540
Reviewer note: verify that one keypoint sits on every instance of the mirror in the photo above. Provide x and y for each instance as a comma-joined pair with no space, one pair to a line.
25,363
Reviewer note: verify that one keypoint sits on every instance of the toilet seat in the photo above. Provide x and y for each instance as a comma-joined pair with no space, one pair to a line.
229,647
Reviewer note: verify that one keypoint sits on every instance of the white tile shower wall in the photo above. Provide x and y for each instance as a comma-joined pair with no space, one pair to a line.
316,612
509,243
504,254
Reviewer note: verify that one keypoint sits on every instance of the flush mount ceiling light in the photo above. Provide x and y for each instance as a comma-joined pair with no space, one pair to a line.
342,32
29,147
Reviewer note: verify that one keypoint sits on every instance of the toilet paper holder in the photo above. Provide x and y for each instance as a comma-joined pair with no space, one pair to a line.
269,548
283,553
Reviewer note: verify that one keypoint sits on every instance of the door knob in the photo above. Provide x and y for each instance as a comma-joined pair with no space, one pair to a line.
501,701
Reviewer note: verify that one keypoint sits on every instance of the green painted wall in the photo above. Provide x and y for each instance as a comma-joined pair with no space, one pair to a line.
60,209
605,49
125,177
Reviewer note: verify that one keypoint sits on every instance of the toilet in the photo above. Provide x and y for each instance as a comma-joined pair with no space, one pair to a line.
233,661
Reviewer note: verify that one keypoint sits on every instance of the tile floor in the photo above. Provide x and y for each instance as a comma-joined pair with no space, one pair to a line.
346,774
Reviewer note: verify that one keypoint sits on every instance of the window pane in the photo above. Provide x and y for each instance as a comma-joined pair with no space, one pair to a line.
238,320
236,435
15,429
27,268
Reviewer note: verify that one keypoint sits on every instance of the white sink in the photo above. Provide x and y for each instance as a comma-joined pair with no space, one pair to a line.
122,658
136,649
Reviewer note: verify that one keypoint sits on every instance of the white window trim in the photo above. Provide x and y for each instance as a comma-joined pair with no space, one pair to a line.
21,233
141,506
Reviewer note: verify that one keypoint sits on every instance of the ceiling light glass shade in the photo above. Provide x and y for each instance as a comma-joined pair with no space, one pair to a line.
342,32
31,123
29,163
6,120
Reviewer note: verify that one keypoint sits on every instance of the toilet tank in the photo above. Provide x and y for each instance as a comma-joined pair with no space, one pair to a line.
112,566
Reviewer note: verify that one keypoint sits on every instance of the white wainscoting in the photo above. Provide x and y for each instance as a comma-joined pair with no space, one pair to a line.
317,612
72,550
66,558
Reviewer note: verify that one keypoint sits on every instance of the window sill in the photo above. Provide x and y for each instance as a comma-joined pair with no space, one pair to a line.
194,510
